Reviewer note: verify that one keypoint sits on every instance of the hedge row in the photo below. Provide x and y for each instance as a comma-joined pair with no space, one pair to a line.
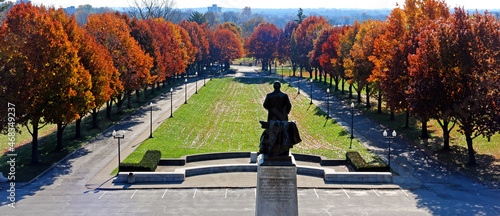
149,162
360,165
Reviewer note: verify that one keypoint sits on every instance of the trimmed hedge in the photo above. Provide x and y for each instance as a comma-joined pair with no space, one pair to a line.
359,164
149,162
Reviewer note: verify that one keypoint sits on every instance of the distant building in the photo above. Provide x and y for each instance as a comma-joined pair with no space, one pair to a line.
214,9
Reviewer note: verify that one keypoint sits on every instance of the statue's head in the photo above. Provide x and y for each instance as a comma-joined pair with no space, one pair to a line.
277,86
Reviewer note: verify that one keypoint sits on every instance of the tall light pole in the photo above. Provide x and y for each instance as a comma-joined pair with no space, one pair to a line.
311,91
185,91
390,139
298,81
119,137
352,124
282,75
171,102
151,120
204,77
196,83
328,103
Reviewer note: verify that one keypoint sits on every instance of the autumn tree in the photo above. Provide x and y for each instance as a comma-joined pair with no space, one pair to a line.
263,43
329,56
393,48
317,52
132,63
285,45
346,42
304,38
358,66
225,47
456,75
40,73
198,40
96,60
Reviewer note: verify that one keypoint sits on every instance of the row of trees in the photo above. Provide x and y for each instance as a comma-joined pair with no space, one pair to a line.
56,71
422,60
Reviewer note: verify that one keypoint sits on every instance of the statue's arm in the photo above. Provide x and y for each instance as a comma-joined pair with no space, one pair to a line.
288,105
266,103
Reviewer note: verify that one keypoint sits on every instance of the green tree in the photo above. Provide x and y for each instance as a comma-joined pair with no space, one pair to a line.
197,17
300,16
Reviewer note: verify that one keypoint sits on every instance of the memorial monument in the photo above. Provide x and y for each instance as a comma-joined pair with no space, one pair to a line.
277,170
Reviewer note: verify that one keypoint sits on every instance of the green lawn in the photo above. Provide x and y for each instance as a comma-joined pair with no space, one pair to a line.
225,116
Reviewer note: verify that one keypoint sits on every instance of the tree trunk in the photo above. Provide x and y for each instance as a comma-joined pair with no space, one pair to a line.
379,105
94,114
424,134
34,142
119,103
129,103
336,83
109,105
359,94
60,130
137,96
368,105
392,118
343,84
407,122
331,79
316,75
78,131
152,89
470,149
145,93
446,136
350,91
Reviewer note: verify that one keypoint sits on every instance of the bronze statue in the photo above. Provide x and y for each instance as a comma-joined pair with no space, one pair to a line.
280,134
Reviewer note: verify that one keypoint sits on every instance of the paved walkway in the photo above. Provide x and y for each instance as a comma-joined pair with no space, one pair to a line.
434,186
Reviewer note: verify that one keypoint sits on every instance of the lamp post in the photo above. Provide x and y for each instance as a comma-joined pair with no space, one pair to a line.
282,75
196,83
390,138
352,124
118,136
185,91
171,102
151,120
204,77
328,103
311,91
298,81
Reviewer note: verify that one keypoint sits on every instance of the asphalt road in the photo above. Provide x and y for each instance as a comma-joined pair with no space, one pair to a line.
65,190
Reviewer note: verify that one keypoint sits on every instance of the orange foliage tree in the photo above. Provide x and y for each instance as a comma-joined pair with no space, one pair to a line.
40,74
129,59
225,46
198,40
329,57
304,38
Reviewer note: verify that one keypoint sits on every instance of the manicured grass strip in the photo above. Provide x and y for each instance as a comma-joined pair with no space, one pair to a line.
225,116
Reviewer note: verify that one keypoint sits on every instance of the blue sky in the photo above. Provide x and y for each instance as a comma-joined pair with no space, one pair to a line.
362,4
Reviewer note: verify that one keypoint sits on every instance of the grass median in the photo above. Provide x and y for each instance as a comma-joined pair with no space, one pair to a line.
224,116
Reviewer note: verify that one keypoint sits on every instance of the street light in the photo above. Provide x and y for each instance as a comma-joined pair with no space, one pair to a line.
204,77
185,91
328,103
298,81
118,136
196,82
390,138
311,91
171,103
151,120
352,124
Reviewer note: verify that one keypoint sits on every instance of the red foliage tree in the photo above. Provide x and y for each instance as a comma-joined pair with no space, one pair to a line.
225,47
304,37
329,56
263,44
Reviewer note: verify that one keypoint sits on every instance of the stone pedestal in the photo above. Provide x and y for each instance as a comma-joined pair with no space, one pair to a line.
276,188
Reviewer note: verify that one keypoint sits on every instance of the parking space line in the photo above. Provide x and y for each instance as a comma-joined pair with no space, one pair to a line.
375,192
225,196
133,194
164,193
346,193
194,195
404,192
316,193
103,194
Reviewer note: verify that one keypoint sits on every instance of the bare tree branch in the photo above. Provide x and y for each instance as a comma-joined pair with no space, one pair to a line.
146,9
